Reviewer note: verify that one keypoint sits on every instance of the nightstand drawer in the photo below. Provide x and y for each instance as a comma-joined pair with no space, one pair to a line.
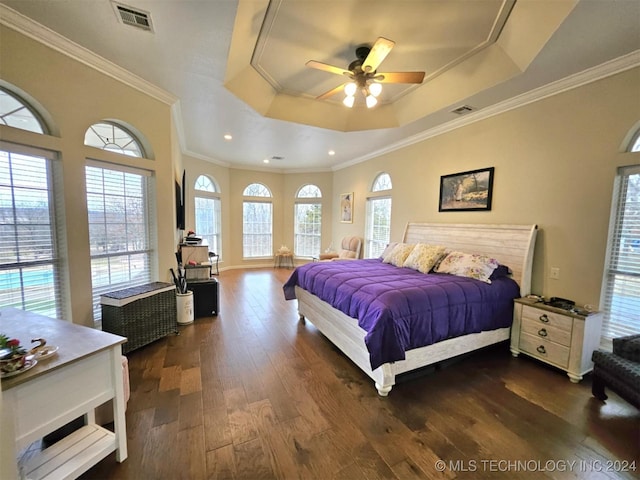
544,349
542,317
546,332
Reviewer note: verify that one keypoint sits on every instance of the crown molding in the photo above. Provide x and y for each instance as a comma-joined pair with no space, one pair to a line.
607,69
28,27
199,156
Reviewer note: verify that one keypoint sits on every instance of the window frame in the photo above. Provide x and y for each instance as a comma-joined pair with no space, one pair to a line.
308,196
25,105
148,253
264,197
621,259
212,194
381,189
56,287
139,151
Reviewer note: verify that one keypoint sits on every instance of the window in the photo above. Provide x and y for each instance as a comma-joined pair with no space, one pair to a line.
118,203
30,265
111,137
207,207
378,222
257,222
621,289
308,222
635,143
15,113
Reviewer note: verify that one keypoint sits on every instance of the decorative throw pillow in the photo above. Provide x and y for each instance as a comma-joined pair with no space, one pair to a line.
501,271
399,254
469,265
423,257
388,249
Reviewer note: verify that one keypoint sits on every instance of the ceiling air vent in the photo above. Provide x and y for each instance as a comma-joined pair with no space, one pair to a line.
277,157
134,17
464,109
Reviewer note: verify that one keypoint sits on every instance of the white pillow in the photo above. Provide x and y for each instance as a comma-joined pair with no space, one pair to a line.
423,257
468,265
388,249
399,254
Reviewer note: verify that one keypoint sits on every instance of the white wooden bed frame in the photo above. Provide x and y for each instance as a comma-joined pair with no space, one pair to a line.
511,245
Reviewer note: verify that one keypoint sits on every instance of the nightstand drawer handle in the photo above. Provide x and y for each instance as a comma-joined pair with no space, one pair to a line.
543,332
541,349
544,318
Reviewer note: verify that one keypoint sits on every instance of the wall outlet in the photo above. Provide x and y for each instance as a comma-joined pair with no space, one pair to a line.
555,273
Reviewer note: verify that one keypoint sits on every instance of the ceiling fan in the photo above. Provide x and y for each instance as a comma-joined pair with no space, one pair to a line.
363,74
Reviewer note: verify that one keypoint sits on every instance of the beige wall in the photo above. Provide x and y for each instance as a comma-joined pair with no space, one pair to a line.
76,96
232,182
555,162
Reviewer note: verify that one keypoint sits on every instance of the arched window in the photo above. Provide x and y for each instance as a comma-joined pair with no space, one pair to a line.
382,182
204,184
30,256
114,138
257,222
256,190
119,205
378,216
621,281
207,209
308,222
18,114
634,145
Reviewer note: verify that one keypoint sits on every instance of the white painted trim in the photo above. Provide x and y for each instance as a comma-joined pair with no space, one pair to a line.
20,23
613,67
199,156
26,26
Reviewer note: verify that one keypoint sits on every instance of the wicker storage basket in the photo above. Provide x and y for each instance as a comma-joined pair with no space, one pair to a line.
143,314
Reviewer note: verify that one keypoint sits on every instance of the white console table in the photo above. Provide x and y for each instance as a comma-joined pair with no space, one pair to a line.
85,373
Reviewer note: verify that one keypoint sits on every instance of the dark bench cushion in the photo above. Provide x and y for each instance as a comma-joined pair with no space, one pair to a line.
628,347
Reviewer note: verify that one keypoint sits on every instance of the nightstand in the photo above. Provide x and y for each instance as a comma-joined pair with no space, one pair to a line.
558,337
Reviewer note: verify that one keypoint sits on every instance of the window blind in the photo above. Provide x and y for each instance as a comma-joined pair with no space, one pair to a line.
257,225
621,291
120,240
30,266
308,229
378,228
207,211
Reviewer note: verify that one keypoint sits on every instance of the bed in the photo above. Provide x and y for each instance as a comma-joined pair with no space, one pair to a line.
510,245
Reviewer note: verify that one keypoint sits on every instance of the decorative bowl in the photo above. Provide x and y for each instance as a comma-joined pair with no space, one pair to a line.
10,365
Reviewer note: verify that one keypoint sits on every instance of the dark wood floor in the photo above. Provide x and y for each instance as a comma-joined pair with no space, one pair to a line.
253,393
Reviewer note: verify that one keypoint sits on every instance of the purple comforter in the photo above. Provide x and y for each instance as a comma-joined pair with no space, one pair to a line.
401,309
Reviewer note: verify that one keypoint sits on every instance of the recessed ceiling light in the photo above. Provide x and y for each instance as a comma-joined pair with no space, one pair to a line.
266,160
228,137
331,152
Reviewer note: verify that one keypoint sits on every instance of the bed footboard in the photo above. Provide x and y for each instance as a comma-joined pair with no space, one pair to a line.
344,332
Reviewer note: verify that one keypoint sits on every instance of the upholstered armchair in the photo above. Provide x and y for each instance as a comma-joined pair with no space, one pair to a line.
350,249
618,370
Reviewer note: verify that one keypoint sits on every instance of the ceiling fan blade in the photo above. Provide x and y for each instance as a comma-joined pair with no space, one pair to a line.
399,77
327,68
378,53
331,92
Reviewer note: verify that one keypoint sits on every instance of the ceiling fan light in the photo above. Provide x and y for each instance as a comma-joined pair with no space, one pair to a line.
375,89
371,101
350,89
348,101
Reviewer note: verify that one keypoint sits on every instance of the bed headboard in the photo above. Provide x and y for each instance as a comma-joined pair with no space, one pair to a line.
511,245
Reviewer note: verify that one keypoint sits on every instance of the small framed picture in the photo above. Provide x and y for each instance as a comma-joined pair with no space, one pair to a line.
466,191
346,207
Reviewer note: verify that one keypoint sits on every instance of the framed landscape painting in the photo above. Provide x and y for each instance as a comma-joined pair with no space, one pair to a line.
466,191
